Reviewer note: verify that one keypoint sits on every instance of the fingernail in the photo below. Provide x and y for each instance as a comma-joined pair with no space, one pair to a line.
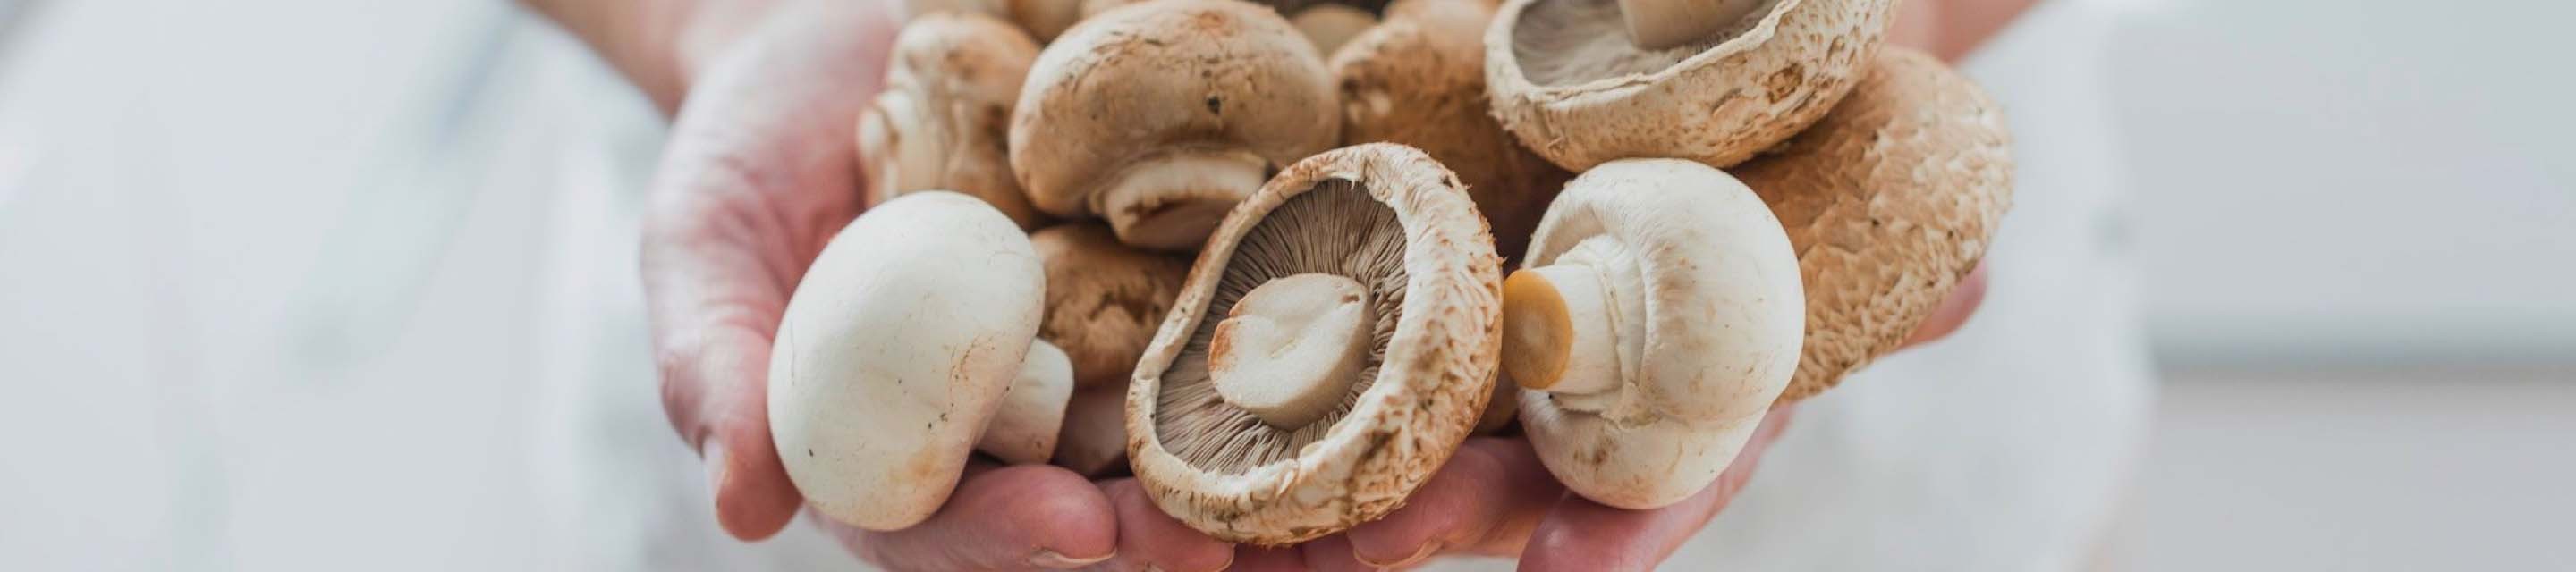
1050,559
713,454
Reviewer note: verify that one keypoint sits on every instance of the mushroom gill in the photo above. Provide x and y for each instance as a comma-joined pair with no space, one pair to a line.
1569,42
1336,229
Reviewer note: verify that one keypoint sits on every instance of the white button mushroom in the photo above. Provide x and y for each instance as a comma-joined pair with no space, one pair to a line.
1160,116
908,343
1566,78
1656,318
1890,200
938,124
1334,345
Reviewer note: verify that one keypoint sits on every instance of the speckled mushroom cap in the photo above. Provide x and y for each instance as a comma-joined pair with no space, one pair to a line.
1104,298
1419,79
1158,116
1397,222
1703,318
1890,200
1566,80
939,123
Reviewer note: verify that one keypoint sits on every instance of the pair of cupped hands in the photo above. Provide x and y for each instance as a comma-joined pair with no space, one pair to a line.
761,170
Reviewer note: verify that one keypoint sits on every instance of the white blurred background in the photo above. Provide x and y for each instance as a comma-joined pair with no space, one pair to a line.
271,272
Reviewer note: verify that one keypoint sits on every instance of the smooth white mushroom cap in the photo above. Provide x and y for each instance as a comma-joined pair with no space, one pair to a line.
900,345
1700,299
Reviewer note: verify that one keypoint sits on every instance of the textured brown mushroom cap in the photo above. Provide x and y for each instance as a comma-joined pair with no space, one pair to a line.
940,122
1225,472
1890,200
1151,80
1104,298
1419,80
1565,79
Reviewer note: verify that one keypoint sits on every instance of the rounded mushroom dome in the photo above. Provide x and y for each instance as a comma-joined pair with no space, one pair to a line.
1890,201
1159,116
939,122
1333,346
1657,316
896,353
1569,78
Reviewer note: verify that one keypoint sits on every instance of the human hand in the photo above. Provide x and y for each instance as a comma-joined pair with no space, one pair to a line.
760,171
1494,498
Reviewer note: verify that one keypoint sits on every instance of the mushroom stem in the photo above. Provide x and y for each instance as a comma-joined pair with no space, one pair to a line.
1661,24
1568,326
1291,349
1172,201
1025,424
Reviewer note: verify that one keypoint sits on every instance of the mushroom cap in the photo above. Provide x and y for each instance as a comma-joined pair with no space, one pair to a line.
1419,80
896,351
939,123
1890,201
1103,298
1151,79
1565,79
1392,219
1041,19
1716,341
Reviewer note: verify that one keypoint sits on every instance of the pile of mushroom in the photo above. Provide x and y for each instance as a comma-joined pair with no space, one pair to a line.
1632,226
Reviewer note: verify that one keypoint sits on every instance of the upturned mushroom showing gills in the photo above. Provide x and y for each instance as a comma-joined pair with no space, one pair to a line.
1419,79
1656,318
1890,201
1103,302
949,89
1333,346
1160,116
908,344
1583,82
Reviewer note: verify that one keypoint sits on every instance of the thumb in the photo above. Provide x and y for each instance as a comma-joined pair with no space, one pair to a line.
729,420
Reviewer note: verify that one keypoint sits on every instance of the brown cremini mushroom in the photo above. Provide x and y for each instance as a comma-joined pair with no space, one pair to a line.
1103,302
1890,201
1578,83
1329,25
909,342
939,123
1419,80
1160,116
1359,293
1041,19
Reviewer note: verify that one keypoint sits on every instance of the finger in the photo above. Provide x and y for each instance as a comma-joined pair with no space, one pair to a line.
1954,310
715,396
1486,499
1007,518
1331,553
1249,558
1149,539
1584,535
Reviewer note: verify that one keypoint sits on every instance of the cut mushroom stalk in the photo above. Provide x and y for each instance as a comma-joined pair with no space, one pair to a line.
1662,24
1289,351
1567,326
1025,427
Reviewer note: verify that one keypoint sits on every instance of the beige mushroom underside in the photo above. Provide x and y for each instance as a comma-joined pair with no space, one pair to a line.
1890,201
1431,388
1719,106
